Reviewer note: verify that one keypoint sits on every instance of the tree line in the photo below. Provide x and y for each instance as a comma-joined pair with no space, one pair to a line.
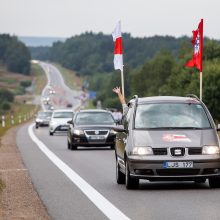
14,54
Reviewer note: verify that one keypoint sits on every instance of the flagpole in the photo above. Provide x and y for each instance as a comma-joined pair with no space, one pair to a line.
200,86
122,82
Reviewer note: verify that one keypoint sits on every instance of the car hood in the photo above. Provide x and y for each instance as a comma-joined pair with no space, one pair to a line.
87,127
61,120
171,138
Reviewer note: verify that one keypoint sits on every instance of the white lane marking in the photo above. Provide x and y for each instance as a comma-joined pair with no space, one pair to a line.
100,201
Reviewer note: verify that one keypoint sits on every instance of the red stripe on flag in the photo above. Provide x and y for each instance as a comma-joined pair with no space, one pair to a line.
118,46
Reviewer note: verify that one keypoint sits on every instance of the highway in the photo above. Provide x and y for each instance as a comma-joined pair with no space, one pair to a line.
81,184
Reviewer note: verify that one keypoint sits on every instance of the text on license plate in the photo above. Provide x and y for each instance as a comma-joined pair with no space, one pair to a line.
179,164
97,137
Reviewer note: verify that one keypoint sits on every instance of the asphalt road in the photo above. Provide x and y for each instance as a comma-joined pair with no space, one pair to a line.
66,200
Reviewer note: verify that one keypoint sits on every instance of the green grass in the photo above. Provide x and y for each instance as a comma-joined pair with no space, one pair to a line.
2,186
39,77
71,79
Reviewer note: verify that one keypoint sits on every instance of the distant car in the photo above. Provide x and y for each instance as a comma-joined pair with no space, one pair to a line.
167,138
58,122
46,100
91,128
43,118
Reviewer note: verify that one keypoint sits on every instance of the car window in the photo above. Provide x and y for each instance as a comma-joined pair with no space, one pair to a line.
85,118
63,115
171,115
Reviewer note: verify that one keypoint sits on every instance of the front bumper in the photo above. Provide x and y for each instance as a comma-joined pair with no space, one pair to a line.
154,169
59,128
82,140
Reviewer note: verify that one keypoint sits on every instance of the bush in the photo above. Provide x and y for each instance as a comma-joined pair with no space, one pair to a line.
25,84
5,106
6,95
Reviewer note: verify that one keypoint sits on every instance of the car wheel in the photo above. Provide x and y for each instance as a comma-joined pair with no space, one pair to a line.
51,133
73,147
112,147
214,182
68,144
131,183
36,126
120,177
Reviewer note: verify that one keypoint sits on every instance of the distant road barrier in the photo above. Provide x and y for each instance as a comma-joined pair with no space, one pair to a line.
11,119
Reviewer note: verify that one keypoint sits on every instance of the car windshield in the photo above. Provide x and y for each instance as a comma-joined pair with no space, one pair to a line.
63,115
171,116
44,114
94,118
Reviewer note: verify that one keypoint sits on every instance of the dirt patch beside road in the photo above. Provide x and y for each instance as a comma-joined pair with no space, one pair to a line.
18,198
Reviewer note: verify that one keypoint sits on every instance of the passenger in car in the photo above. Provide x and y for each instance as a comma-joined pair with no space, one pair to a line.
125,107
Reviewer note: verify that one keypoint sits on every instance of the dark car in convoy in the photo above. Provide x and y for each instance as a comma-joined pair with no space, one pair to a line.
43,118
167,138
91,128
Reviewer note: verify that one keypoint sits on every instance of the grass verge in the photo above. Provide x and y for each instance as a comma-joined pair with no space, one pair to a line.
70,77
39,78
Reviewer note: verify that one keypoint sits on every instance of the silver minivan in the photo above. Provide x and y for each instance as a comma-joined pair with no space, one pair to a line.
167,138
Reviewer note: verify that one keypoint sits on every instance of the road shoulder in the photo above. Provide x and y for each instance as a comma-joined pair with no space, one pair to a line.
18,200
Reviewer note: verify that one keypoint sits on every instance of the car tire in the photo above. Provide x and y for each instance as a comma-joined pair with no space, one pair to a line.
68,145
73,147
51,133
120,177
112,147
36,126
130,183
214,182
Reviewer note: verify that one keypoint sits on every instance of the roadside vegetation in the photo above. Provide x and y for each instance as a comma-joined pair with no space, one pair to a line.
40,79
71,79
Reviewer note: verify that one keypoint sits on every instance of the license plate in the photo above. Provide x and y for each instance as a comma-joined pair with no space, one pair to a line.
179,164
63,128
97,137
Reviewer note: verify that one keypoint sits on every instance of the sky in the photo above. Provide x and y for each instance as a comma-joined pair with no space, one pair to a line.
140,18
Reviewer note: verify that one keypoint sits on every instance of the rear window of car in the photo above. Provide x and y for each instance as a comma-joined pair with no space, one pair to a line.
62,114
96,118
171,115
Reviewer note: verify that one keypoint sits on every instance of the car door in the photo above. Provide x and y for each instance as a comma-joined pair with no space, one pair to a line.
121,137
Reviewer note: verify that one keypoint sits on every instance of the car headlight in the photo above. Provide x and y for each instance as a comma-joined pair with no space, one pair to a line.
210,150
78,132
39,120
142,151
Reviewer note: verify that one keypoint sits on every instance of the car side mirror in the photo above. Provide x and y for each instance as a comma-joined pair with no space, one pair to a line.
70,122
119,128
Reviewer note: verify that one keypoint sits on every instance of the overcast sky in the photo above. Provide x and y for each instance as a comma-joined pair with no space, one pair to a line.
66,18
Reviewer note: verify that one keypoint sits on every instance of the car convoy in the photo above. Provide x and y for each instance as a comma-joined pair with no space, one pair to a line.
163,138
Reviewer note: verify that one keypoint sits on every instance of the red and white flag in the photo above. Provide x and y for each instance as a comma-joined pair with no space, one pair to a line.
197,42
117,38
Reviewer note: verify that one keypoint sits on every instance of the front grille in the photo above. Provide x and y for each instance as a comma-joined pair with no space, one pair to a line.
160,151
177,151
177,172
96,132
195,151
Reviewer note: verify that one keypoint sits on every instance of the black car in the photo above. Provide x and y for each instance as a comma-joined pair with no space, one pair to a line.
167,138
91,128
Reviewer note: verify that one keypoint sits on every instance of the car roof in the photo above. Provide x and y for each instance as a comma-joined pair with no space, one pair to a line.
160,99
94,110
63,110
